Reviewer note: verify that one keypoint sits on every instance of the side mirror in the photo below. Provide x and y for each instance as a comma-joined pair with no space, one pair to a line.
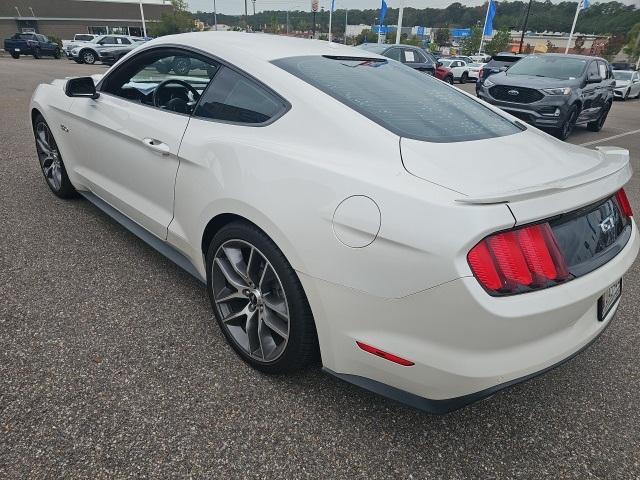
594,79
81,87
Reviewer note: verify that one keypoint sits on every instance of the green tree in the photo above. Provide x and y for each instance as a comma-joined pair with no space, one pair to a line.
366,34
179,20
499,43
442,35
633,45
471,44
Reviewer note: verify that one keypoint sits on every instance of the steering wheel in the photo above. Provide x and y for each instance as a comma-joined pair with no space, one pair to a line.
163,84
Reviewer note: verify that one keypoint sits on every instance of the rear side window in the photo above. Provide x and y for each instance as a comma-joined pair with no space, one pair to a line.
231,97
402,100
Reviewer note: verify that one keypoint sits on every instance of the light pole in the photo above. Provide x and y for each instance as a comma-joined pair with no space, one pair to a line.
346,22
215,16
524,27
144,25
246,23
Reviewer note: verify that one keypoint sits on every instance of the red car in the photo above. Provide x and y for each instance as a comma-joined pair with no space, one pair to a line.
443,73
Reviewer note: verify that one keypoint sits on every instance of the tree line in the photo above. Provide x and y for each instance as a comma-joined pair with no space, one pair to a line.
600,19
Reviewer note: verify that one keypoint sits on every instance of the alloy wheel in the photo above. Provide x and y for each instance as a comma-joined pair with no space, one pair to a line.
250,300
88,58
49,156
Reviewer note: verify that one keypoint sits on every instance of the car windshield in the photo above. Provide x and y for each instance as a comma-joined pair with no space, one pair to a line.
618,75
402,100
446,63
84,38
549,66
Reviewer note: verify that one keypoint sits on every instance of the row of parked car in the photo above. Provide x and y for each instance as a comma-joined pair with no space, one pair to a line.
84,48
554,92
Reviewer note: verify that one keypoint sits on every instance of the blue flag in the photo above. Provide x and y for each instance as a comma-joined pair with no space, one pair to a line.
584,4
383,11
488,26
333,5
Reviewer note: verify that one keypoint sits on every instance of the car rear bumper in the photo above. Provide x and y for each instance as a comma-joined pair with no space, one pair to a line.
464,344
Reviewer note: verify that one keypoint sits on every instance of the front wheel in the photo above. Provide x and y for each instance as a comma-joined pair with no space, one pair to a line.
15,55
88,57
57,54
259,301
597,125
37,54
567,127
50,159
449,79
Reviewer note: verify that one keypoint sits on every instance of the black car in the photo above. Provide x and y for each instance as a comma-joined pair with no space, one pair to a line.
554,91
413,57
498,63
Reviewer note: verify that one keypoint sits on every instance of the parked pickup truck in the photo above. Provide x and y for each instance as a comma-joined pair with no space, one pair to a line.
31,44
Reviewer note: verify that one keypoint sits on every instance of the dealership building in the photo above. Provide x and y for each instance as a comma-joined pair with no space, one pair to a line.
65,18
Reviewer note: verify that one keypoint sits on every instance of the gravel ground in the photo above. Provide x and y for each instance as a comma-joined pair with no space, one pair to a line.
111,364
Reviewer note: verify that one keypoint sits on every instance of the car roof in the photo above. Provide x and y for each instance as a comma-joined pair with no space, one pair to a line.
265,47
570,55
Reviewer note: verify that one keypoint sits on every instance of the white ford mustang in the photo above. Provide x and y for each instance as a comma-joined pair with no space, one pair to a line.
341,206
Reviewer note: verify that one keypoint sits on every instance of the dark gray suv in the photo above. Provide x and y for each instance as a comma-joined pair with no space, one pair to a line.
554,91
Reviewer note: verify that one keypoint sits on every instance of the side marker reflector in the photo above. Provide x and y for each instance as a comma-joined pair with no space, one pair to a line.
382,354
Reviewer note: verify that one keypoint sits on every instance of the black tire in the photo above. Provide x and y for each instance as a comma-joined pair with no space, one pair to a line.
78,60
464,78
597,125
15,55
567,127
301,348
88,56
626,95
449,79
181,65
63,188
37,54
57,54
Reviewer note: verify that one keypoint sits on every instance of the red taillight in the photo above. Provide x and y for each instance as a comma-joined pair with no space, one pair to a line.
518,260
623,201
382,354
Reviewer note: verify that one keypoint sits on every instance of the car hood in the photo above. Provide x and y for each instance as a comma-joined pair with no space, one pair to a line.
622,83
503,78
511,167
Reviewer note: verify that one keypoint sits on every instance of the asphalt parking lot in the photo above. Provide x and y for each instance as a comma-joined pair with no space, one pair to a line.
112,365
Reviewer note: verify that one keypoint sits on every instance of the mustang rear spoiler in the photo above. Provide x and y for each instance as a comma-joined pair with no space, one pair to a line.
614,160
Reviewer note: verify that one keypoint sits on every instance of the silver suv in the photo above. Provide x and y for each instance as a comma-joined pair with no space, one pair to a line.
89,52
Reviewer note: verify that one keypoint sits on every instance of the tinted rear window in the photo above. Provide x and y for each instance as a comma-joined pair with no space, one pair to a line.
408,103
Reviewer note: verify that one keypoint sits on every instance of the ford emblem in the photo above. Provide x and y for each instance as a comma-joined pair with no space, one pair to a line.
513,92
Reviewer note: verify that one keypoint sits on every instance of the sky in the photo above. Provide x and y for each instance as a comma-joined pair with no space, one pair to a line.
235,7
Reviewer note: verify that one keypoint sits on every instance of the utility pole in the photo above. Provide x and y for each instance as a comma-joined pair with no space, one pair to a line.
215,16
524,27
254,7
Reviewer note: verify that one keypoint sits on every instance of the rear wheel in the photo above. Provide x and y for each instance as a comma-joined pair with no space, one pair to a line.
597,125
51,161
88,57
15,55
258,300
464,78
181,66
567,127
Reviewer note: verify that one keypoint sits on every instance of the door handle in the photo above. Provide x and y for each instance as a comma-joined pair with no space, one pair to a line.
156,145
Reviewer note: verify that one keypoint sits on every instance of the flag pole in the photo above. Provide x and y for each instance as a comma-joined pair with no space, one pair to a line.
486,17
346,22
398,32
573,27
